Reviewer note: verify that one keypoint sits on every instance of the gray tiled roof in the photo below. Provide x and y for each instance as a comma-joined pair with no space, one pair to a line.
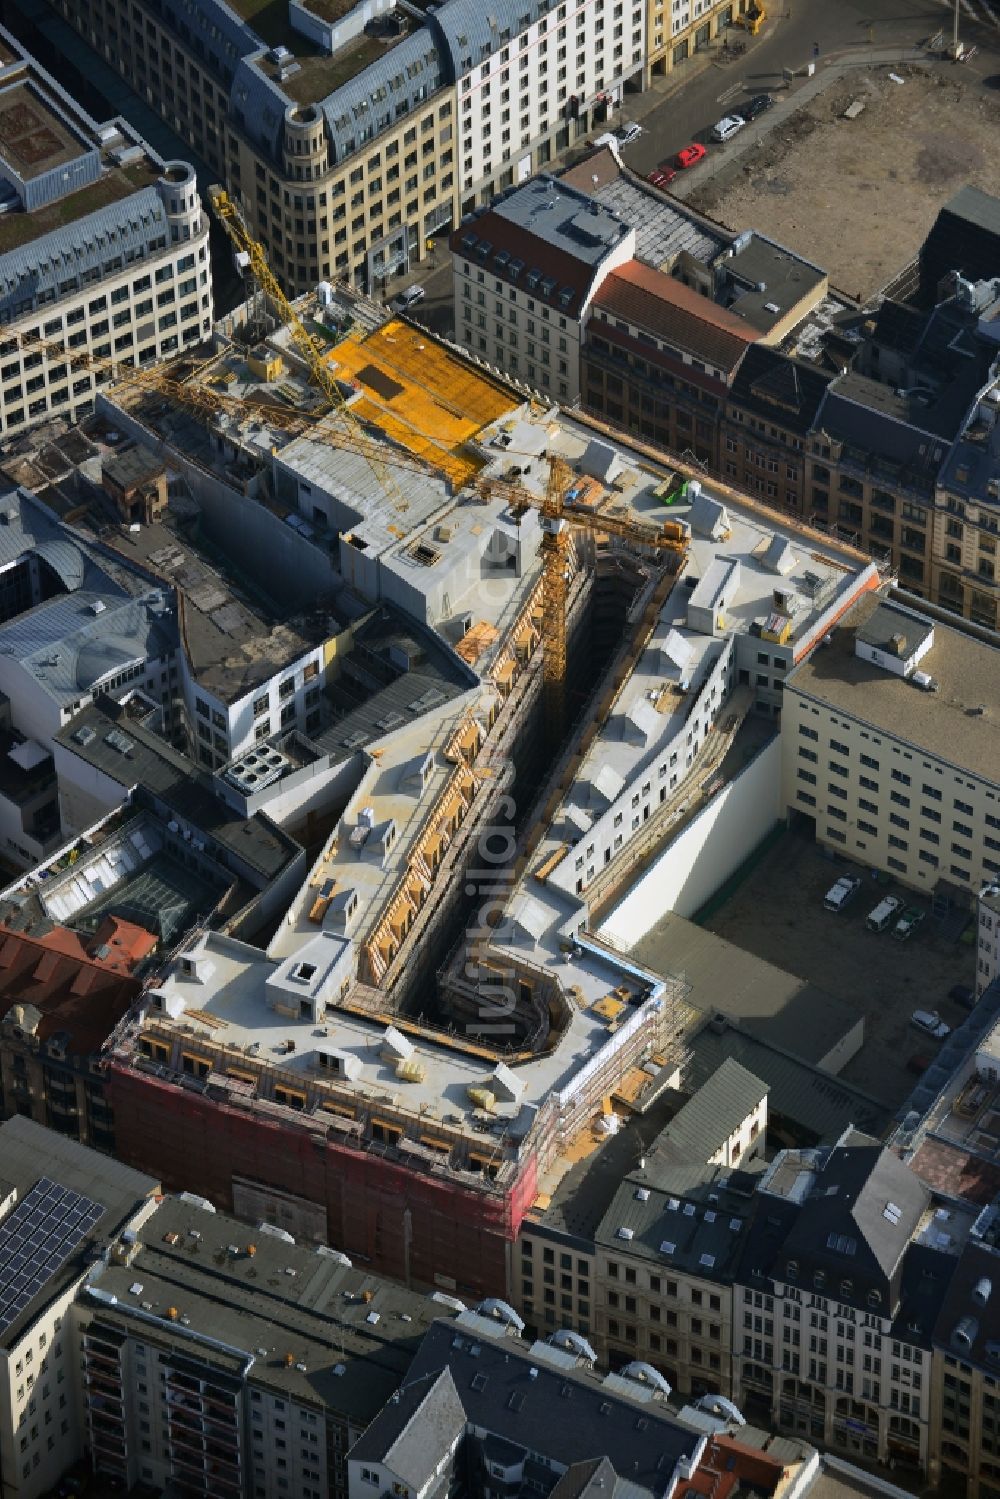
401,81
67,647
436,1421
808,1098
716,1111
471,30
555,1411
127,228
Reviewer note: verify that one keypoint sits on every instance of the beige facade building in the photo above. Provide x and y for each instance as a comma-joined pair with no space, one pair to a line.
678,29
352,144
889,747
649,1277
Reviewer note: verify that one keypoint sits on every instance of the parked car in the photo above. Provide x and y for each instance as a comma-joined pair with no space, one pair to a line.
690,156
629,132
908,923
663,175
754,107
838,895
409,298
918,1063
727,128
963,995
886,910
930,1022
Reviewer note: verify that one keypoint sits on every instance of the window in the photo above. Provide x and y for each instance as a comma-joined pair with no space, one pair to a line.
867,760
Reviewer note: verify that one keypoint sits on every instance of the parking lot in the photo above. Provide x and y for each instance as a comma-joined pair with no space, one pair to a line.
778,914
856,196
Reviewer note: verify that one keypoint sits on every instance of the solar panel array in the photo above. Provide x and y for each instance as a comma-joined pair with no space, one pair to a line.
36,1239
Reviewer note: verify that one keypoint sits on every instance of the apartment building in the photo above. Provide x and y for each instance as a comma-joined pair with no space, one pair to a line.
964,1401
526,271
193,1377
835,1303
888,748
103,248
657,358
61,1205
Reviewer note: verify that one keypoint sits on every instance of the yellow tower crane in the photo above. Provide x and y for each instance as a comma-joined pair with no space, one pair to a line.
558,514
250,253
176,383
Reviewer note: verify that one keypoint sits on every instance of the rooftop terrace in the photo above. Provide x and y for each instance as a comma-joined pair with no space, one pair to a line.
118,182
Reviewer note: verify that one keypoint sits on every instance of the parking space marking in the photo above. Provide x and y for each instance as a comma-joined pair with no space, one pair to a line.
730,93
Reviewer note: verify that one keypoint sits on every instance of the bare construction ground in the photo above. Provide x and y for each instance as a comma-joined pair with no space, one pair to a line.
858,196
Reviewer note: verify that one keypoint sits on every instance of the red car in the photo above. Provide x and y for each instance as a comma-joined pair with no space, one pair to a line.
663,176
690,156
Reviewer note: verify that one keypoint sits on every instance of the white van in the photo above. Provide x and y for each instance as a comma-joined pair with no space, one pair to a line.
884,913
838,895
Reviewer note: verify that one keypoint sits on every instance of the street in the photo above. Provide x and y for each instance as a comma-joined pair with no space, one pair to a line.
685,105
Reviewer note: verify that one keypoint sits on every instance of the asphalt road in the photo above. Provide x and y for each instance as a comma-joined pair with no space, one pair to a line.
685,106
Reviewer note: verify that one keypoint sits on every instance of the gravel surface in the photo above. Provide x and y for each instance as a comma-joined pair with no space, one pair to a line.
858,196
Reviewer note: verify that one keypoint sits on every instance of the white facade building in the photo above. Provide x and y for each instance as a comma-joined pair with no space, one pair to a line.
897,764
529,77
103,251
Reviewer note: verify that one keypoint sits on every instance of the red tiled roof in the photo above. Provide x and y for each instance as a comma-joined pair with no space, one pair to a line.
128,942
668,309
72,992
726,1465
956,1172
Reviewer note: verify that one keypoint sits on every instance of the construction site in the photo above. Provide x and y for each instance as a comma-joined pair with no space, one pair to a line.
540,668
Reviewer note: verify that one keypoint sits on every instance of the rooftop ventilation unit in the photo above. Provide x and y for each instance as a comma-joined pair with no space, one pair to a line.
257,769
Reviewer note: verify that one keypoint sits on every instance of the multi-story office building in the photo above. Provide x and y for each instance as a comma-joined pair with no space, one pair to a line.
834,1303
965,528
888,747
657,359
764,441
61,1206
656,307
63,993
524,77
965,1410
103,248
353,142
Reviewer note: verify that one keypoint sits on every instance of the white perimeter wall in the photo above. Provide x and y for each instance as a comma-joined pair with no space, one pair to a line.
708,851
